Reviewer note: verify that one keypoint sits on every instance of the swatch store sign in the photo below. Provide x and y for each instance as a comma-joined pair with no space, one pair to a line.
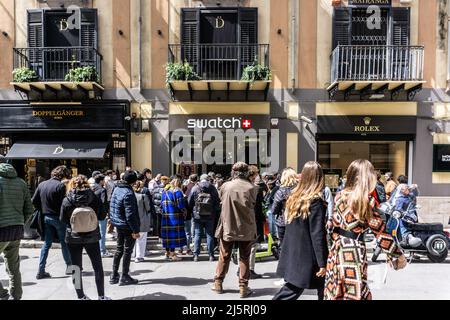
235,136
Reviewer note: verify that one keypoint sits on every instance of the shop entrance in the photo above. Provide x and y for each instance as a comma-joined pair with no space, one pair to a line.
386,156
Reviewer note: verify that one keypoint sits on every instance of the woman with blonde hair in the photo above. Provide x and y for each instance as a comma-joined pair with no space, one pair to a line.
81,197
354,214
172,225
288,183
304,253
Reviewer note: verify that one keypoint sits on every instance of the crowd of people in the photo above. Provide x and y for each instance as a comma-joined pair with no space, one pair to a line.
318,234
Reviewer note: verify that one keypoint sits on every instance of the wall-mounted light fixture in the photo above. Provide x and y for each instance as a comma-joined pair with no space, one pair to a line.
274,122
306,119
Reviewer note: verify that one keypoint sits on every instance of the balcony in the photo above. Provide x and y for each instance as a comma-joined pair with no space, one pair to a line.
375,71
59,73
226,70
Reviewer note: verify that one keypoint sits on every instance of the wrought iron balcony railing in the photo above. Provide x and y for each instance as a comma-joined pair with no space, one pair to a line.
219,61
377,63
54,63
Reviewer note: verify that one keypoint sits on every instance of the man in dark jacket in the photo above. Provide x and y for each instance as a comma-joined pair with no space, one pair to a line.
204,219
15,209
100,192
124,216
48,198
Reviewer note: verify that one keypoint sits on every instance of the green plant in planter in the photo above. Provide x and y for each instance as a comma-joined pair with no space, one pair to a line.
24,75
256,72
83,74
177,71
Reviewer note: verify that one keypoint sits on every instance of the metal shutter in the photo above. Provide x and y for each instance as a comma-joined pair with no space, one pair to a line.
341,27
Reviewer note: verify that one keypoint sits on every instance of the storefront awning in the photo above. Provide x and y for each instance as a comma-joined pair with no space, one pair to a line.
58,150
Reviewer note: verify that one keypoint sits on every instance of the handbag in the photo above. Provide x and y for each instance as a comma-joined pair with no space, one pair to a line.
37,223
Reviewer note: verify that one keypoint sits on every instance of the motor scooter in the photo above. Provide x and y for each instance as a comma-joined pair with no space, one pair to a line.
435,242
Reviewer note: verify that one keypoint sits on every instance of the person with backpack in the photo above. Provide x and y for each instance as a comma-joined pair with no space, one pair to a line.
124,216
15,209
204,203
80,212
144,208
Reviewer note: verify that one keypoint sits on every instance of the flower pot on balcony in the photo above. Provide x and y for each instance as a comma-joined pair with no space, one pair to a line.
22,75
82,74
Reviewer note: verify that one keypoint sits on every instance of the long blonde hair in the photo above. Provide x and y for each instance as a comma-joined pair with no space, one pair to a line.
361,181
288,178
310,187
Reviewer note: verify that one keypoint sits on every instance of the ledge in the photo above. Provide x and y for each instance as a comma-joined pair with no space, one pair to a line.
84,90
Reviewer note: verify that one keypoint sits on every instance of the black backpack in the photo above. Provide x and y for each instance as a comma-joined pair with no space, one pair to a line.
203,204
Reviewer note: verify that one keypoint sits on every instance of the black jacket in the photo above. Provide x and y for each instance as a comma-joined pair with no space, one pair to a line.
76,199
157,195
101,194
279,204
305,249
49,196
259,213
206,187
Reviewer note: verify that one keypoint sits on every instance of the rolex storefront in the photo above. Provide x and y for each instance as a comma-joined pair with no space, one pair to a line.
381,133
35,138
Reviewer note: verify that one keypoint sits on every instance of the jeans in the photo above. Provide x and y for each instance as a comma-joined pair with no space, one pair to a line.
290,292
12,263
53,227
403,229
272,225
125,246
93,251
188,230
208,225
103,224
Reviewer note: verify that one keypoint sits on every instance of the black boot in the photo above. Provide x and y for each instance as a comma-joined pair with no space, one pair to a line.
114,279
126,280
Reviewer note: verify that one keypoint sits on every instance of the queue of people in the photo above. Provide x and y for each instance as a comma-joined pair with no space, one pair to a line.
317,234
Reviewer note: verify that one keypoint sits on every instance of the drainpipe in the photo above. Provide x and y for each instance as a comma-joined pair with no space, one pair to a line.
294,4
140,47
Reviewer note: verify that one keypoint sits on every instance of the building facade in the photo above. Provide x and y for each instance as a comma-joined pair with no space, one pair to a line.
347,81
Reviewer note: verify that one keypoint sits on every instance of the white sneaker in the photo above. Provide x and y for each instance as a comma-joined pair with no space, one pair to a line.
139,260
280,283
104,298
85,298
107,254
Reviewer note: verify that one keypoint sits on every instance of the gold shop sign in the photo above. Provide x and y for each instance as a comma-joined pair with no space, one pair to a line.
367,128
58,114
220,23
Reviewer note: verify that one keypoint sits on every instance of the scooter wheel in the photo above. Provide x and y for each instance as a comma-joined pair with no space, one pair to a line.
437,247
276,253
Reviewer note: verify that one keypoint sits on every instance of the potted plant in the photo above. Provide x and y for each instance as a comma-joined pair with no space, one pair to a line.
177,71
256,72
24,75
83,74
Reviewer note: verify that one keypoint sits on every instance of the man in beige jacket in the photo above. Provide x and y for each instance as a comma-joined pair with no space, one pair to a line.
236,224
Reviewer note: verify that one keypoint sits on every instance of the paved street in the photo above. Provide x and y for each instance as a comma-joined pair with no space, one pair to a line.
188,280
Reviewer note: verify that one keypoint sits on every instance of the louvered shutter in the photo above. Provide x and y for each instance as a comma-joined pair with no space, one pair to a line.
341,27
248,36
400,26
88,36
190,36
35,39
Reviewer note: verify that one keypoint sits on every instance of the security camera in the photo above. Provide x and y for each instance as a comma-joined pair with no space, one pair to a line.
127,118
306,119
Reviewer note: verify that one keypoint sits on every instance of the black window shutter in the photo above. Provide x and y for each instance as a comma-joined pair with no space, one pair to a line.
35,28
88,34
400,26
341,27
190,35
248,22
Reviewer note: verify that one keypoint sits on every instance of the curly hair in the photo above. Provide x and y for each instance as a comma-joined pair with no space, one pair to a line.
78,183
61,172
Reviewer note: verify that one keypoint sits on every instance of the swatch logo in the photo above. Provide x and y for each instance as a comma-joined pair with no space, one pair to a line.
219,123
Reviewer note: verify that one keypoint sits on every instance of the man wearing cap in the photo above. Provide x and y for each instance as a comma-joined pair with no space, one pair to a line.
124,216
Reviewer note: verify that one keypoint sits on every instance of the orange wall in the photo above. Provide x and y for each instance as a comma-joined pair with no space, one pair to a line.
307,44
121,44
427,36
279,44
159,21
6,43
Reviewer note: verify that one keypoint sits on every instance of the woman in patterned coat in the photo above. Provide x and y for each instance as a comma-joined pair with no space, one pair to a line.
354,214
173,207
